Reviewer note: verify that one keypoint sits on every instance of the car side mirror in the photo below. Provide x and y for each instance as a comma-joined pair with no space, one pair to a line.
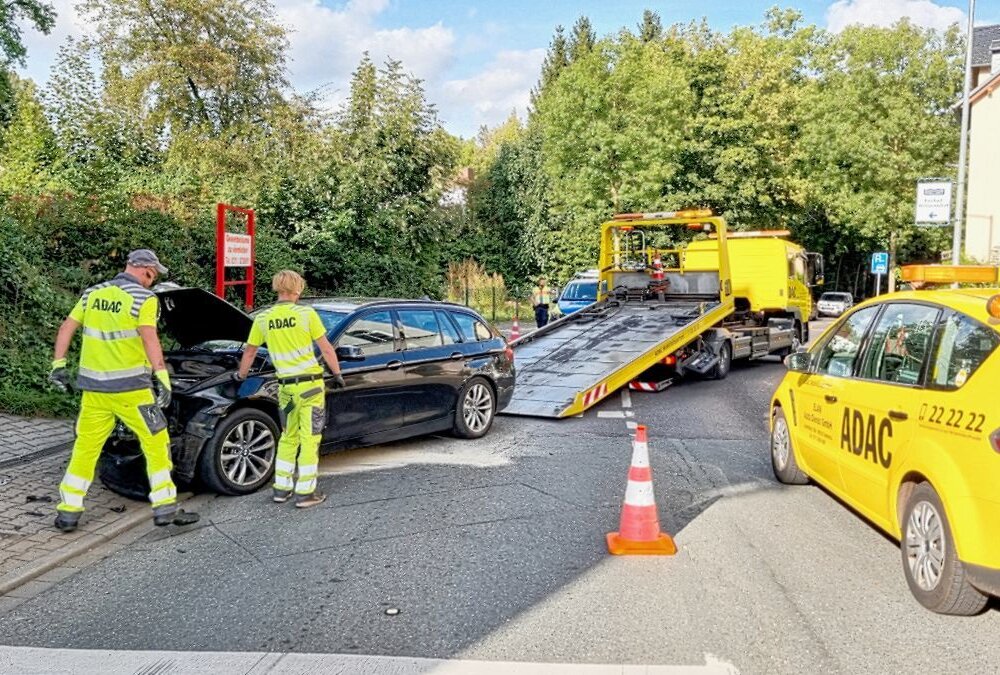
350,353
798,362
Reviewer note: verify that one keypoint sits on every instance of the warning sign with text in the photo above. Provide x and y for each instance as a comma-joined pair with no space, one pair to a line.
238,250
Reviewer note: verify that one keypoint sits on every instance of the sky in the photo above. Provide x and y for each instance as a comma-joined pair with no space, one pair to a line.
478,59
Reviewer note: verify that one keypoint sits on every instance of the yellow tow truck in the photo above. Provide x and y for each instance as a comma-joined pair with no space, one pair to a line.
654,308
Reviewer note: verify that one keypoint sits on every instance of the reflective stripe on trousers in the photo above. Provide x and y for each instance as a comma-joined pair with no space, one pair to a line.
301,436
98,412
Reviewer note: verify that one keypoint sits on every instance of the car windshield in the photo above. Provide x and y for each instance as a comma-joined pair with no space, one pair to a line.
836,297
580,290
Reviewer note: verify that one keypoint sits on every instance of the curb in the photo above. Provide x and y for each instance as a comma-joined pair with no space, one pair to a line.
32,570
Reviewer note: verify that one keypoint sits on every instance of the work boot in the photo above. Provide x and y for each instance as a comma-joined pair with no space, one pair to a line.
306,501
67,521
178,517
281,496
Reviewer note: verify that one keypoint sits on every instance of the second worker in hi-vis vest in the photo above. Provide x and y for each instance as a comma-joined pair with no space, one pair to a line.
120,351
290,332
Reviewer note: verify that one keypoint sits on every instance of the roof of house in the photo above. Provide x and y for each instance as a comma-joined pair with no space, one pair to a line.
983,90
982,38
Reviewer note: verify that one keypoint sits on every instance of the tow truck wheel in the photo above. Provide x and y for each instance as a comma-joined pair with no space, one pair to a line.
475,410
239,458
725,362
783,463
934,573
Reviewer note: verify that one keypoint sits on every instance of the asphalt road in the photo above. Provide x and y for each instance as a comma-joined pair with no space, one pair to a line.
494,549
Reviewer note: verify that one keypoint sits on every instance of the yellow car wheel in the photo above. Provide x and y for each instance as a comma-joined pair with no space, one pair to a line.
934,573
783,463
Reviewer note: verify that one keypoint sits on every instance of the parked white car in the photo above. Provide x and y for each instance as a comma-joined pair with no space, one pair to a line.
834,304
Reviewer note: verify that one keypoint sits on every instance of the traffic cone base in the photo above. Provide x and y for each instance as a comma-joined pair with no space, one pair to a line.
662,545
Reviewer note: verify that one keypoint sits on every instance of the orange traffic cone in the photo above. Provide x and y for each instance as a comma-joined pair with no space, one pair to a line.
515,330
639,532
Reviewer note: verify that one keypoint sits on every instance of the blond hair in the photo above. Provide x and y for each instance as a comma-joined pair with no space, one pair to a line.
288,282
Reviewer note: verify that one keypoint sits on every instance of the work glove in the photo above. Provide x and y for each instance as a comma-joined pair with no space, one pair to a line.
59,375
337,382
162,388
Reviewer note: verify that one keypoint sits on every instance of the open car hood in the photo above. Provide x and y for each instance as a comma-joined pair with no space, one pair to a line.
193,315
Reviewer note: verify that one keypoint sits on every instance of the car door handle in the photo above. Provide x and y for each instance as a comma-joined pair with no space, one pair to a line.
456,355
830,398
898,415
394,365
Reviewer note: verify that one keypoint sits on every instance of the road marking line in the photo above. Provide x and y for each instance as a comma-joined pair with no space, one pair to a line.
626,398
613,414
632,425
39,660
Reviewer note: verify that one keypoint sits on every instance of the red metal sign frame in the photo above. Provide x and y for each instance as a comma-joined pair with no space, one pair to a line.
220,242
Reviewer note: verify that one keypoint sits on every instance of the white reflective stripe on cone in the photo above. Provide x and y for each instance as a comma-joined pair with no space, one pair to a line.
159,478
163,494
71,498
639,494
75,482
283,466
640,454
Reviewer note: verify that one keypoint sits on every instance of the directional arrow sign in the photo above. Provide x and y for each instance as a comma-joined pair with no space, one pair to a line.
933,202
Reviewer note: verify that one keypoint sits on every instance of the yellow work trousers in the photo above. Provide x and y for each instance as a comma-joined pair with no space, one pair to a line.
139,412
303,408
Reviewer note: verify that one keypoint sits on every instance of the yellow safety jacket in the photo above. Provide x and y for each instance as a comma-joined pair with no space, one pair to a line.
289,331
540,297
113,358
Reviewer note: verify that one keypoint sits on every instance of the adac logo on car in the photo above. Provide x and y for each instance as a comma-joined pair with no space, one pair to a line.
288,322
103,305
858,435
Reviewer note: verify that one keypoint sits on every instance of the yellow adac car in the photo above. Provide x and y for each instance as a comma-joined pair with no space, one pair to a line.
895,409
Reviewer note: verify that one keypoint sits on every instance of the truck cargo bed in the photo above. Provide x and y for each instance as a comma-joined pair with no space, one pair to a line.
575,362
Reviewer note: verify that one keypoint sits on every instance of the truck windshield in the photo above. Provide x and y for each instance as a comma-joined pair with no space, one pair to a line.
580,290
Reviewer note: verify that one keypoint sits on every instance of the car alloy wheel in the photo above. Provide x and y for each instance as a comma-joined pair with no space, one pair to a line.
780,444
477,407
247,452
925,545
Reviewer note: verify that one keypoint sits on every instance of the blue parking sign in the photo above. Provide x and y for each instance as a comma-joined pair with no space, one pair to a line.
880,262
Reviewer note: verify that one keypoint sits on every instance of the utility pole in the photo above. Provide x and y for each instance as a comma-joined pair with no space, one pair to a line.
956,243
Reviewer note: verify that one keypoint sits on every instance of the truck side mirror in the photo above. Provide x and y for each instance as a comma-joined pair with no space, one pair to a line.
799,362
350,353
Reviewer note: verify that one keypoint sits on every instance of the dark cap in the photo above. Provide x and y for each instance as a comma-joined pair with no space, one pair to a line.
143,257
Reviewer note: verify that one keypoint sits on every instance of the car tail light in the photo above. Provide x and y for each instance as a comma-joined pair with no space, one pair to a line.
995,440
510,354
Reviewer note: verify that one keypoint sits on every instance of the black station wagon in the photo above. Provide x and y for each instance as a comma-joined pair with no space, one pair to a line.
412,367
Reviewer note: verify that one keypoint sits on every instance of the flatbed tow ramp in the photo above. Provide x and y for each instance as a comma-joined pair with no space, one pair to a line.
638,320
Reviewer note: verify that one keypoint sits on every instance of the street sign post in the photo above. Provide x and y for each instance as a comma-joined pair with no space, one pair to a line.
880,266
234,250
933,202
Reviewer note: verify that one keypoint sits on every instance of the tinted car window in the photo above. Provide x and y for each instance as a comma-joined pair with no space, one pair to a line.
835,297
839,353
580,290
448,331
899,344
372,332
472,328
331,320
420,328
963,345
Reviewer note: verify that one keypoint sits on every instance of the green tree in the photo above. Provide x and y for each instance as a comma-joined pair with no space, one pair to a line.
28,149
210,64
651,26
582,39
12,51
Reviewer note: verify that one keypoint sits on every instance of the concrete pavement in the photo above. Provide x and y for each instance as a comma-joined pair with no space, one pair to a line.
494,549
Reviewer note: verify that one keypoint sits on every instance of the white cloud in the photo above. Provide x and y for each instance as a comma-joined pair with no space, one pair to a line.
489,96
924,13
43,49
327,43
